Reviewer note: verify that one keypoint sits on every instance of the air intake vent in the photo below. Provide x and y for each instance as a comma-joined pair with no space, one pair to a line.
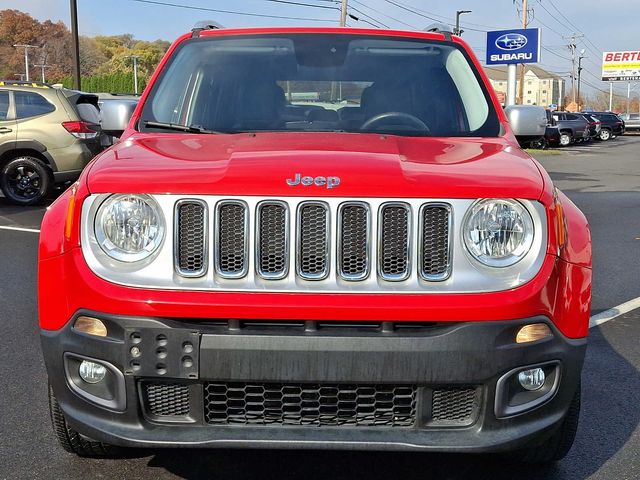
272,254
435,239
313,240
167,399
353,238
318,405
394,232
191,238
232,240
455,406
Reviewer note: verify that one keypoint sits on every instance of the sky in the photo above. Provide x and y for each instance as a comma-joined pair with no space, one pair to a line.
606,25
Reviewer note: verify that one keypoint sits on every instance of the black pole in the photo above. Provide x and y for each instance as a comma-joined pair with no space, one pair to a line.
75,45
579,75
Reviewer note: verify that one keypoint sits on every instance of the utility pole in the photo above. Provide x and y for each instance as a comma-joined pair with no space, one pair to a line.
343,13
572,47
135,58
42,67
580,74
610,96
525,22
26,58
75,45
457,31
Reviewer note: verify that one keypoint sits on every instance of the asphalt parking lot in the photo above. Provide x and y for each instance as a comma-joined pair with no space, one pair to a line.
602,179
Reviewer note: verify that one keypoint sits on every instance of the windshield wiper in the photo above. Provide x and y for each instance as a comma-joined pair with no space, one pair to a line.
177,127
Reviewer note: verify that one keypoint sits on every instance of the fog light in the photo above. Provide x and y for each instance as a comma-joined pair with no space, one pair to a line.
532,379
92,372
91,326
533,332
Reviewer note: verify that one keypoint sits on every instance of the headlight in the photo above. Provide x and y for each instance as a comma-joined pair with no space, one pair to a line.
497,232
129,228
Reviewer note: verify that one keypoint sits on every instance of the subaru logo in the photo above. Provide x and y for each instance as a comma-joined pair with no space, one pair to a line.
511,41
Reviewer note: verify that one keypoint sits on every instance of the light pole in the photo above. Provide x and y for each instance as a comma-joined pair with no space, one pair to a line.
75,45
134,59
26,58
457,31
42,67
579,73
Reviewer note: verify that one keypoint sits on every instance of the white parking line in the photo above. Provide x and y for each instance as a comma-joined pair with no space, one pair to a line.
614,312
19,229
594,321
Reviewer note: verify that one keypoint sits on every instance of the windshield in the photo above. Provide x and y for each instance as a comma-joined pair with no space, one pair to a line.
319,83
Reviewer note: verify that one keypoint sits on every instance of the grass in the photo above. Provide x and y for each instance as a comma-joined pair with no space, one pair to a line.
548,151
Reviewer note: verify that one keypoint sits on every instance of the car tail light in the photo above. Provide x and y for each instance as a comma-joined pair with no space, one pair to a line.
80,130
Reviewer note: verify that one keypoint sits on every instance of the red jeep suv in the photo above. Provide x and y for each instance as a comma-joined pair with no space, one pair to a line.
316,238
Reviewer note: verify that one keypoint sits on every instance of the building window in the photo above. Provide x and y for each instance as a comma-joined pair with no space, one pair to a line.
544,91
529,92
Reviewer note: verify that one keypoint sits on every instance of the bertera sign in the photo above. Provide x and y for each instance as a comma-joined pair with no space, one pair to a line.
621,66
513,46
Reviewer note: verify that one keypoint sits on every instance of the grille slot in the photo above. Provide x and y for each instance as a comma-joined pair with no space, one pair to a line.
272,244
394,241
353,241
435,241
455,406
167,399
232,239
310,404
191,238
313,240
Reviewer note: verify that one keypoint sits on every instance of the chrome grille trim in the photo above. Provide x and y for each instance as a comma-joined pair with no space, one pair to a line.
342,232
302,251
159,273
260,242
385,248
440,252
178,239
222,236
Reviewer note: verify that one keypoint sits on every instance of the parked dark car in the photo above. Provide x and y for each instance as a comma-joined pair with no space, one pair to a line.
551,138
612,125
572,126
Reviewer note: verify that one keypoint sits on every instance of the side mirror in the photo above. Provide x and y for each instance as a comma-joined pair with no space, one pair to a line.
116,114
527,120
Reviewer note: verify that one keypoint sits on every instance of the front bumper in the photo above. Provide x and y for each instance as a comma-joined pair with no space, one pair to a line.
432,358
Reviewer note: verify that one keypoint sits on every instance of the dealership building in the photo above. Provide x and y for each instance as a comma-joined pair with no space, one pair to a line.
540,87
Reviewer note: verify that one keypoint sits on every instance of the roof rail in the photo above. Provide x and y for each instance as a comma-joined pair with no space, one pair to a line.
204,25
20,83
440,28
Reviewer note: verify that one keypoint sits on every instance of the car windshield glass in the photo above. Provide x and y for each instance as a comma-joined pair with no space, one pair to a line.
319,83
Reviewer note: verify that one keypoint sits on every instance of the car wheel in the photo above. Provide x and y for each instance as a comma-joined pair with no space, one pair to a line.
605,135
558,445
565,139
25,180
74,442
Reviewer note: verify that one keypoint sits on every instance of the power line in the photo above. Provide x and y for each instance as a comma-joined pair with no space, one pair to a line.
230,12
301,4
382,13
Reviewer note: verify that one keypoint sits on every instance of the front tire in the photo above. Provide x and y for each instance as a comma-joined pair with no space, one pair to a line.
25,180
558,445
72,441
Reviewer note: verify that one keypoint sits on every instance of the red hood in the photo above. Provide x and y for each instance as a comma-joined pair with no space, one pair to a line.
368,166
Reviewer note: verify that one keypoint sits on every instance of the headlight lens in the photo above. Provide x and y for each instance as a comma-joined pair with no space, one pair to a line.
129,228
497,232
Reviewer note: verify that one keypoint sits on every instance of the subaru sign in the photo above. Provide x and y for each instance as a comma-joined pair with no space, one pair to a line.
513,46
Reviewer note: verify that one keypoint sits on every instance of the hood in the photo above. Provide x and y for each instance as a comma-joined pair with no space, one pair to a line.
274,164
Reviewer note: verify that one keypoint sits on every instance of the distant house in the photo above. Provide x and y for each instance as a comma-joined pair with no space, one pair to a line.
540,87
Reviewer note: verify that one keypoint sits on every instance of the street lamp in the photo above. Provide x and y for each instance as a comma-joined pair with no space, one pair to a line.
26,58
579,73
135,58
457,31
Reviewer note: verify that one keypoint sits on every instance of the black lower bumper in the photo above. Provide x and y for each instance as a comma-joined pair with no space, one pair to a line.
440,386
